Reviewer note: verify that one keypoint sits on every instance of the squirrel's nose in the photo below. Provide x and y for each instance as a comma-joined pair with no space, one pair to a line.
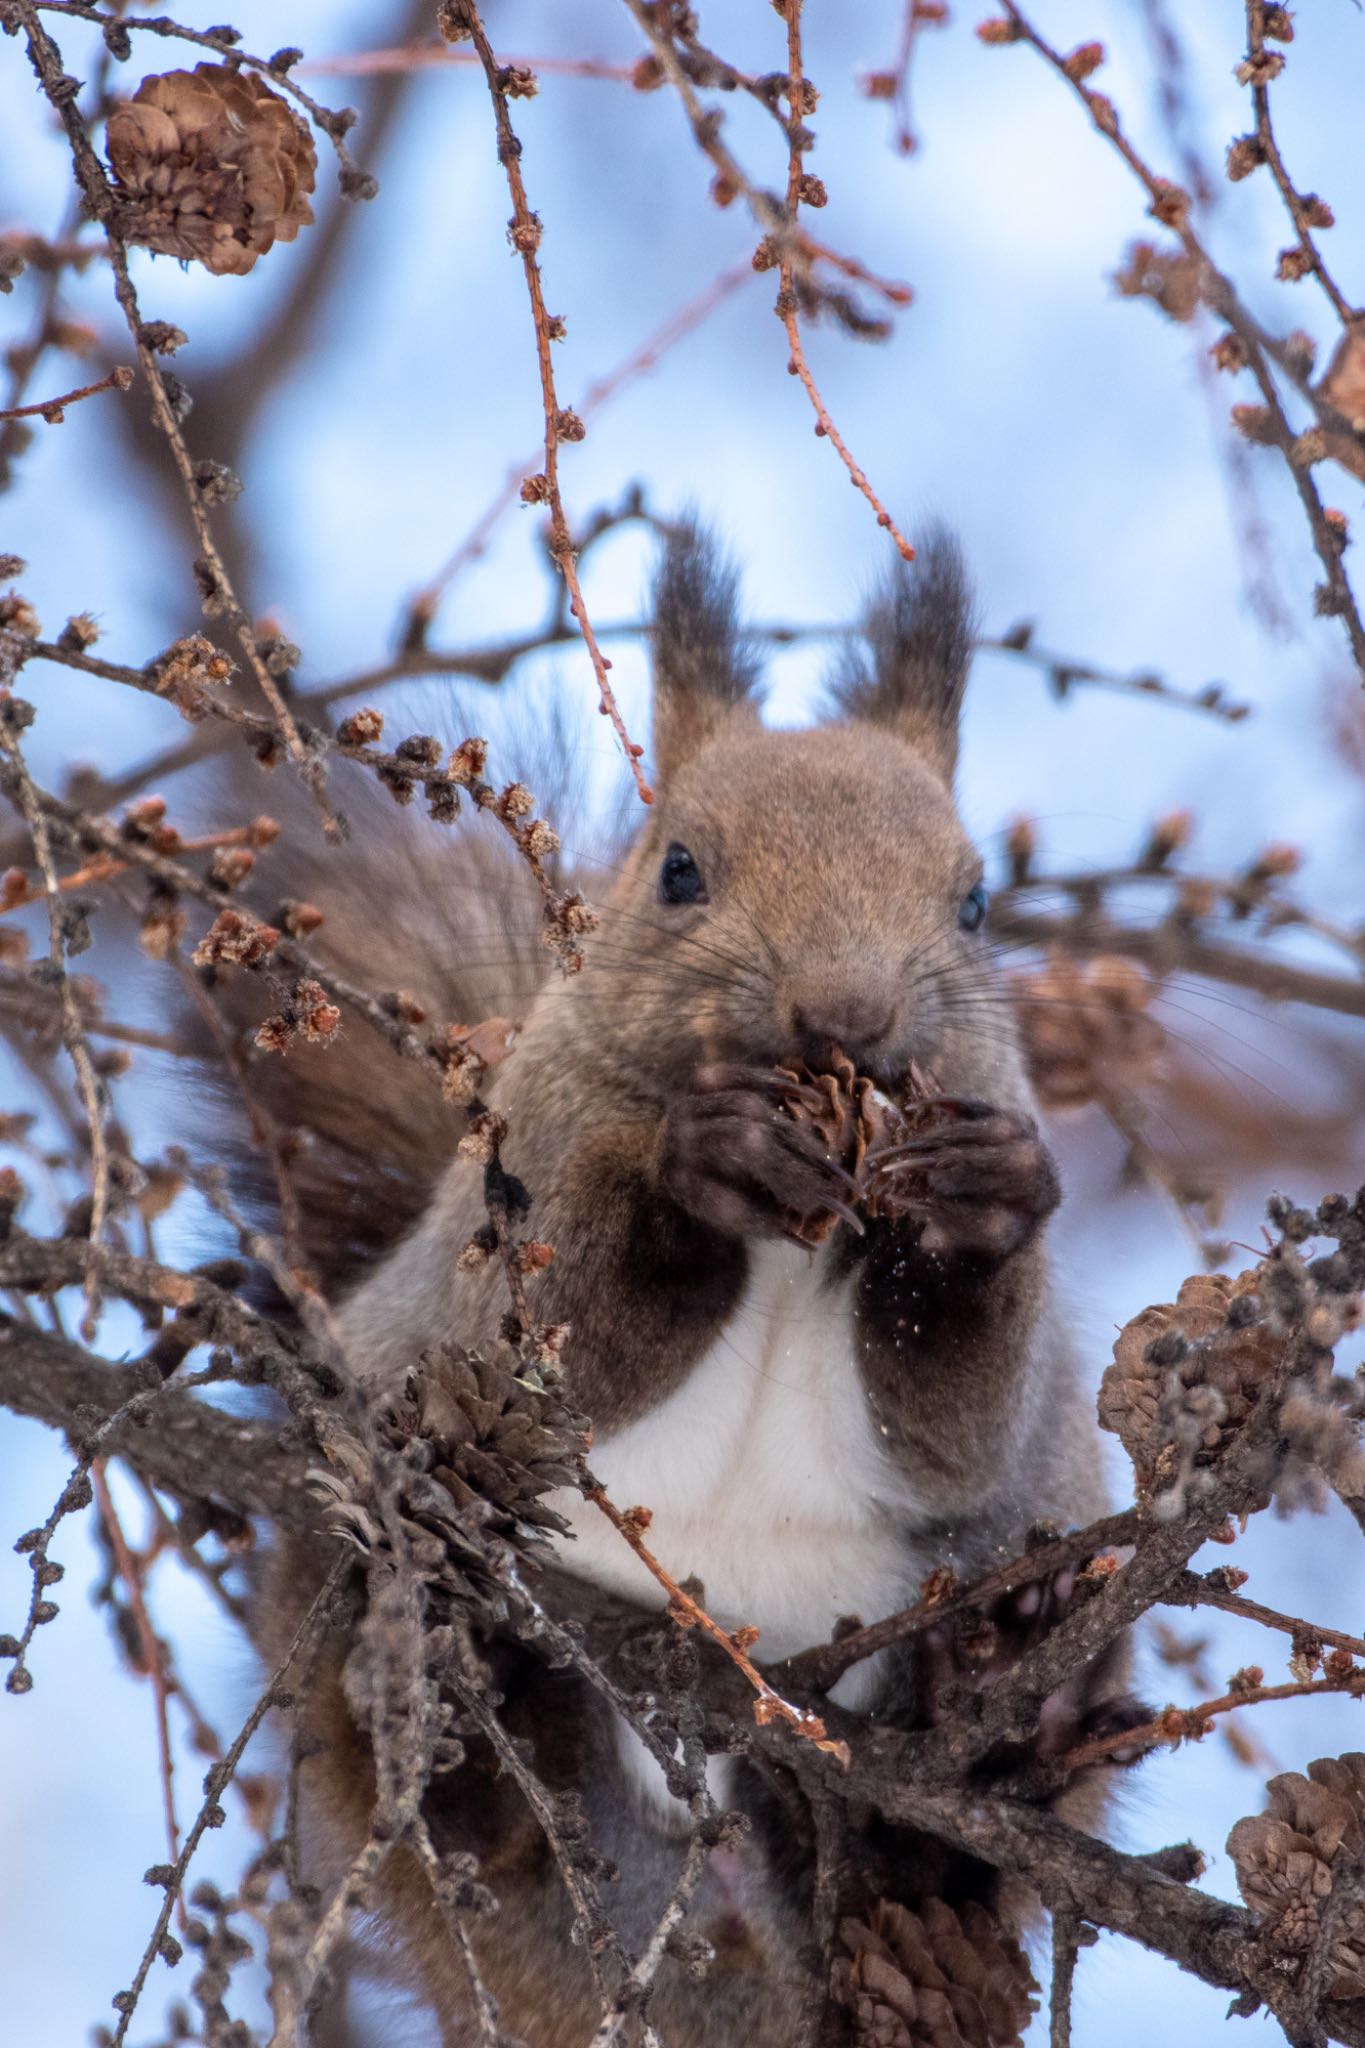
857,1021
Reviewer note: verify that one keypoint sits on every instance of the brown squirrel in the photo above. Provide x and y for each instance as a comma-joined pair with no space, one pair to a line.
813,1431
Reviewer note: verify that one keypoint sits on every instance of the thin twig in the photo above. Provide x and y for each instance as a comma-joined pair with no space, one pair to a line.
560,425
820,1668
1170,204
52,409
1174,1725
769,1704
641,360
481,2000
217,1780
1062,674
424,56
219,596
894,83
595,1933
51,258
169,1537
1207,1589
1127,1116
33,1008
798,107
785,242
17,891
1179,942
826,428
892,290
290,953
350,1891
1261,64
152,1648
630,1998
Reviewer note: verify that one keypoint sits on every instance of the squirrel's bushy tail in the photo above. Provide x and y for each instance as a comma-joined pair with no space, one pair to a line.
447,918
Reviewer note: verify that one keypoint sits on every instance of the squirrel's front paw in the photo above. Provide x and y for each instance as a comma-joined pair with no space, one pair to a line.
735,1159
972,1651
977,1179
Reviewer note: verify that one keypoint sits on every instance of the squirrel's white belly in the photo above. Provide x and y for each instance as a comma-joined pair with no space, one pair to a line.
765,1476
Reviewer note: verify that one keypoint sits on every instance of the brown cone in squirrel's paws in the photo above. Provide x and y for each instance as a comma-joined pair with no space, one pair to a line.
977,1179
844,1109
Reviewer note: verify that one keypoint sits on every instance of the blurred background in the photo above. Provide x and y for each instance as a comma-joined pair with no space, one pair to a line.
375,382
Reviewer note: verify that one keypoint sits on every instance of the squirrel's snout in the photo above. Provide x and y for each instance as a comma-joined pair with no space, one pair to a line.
856,1021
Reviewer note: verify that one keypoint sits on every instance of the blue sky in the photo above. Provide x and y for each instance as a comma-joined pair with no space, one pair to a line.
1071,437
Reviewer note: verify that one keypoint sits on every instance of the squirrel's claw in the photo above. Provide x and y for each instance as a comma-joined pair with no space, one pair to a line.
982,1181
732,1158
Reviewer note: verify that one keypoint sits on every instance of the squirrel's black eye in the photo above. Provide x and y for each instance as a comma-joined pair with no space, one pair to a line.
972,910
680,878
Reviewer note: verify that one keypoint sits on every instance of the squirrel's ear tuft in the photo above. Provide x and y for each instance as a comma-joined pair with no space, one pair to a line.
702,665
919,631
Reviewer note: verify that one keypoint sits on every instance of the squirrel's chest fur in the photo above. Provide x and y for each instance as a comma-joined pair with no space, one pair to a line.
765,1471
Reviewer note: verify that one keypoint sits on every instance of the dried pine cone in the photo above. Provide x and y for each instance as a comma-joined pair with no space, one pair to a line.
1181,1380
839,1104
211,166
1288,1858
1088,1029
492,1448
851,1114
934,1978
493,1438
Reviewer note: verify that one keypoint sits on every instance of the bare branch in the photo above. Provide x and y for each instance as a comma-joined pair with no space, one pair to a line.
53,410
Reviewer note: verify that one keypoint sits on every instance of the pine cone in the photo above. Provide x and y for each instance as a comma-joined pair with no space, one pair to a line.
491,1447
211,166
934,1978
1288,1858
1184,1404
495,1441
839,1105
1088,1029
851,1114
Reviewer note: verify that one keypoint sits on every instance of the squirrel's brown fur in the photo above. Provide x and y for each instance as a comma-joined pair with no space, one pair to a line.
927,1355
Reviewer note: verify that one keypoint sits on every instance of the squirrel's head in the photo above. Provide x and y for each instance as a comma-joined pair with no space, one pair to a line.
796,890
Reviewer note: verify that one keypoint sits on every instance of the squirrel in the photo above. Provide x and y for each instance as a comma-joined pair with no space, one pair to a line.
813,1431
